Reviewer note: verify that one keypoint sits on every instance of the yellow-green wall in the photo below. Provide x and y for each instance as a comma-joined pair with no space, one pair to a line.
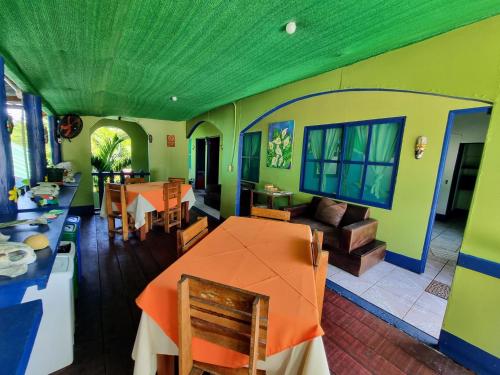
464,62
163,160
405,225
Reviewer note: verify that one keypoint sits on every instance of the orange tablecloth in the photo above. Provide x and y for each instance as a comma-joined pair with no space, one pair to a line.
268,257
153,192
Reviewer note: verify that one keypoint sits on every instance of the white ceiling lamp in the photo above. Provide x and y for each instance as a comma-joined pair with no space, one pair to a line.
291,27
173,98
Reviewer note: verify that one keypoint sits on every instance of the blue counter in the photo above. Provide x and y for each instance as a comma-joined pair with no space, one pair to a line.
18,326
12,290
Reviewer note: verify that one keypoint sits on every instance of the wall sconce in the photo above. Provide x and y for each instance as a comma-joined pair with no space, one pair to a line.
420,147
150,138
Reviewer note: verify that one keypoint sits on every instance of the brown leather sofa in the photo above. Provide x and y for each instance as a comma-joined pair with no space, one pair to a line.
354,230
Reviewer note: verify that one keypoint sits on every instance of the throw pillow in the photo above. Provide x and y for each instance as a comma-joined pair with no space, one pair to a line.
330,212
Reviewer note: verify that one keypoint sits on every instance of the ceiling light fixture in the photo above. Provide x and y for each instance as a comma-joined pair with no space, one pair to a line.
291,27
173,98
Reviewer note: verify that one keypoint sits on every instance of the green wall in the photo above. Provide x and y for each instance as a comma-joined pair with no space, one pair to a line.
204,130
162,161
464,62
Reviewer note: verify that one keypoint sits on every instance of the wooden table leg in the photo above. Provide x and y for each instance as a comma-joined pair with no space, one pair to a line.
165,364
142,232
270,201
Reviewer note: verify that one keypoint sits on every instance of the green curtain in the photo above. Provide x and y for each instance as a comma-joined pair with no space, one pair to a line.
333,139
357,137
382,149
315,144
251,156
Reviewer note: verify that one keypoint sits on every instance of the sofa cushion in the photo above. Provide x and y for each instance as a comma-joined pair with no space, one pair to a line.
353,214
329,232
330,212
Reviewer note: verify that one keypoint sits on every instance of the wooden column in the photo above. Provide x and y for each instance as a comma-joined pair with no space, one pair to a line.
36,139
6,165
54,144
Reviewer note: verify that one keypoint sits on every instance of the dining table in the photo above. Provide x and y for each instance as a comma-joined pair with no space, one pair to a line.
267,257
147,197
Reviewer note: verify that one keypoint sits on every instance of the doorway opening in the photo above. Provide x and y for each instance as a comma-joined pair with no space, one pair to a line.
204,168
118,149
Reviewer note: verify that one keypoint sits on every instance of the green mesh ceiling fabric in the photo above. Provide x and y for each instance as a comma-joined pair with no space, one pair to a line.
127,58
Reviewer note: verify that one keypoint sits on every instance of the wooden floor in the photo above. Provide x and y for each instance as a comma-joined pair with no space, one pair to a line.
114,273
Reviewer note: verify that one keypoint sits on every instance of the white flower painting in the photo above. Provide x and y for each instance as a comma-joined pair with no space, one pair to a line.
279,149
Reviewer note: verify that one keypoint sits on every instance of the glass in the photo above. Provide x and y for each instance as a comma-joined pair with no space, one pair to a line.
333,140
330,180
356,139
377,187
352,174
383,142
314,144
312,175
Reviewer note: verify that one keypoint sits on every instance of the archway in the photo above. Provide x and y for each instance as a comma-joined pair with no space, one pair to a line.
125,136
205,165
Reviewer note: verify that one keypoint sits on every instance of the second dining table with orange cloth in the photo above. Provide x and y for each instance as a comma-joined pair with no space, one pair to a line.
148,197
268,257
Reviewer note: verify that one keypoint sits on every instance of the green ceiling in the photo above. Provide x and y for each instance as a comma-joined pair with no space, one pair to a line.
102,57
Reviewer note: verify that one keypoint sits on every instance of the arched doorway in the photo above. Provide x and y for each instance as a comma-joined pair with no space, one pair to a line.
204,157
116,146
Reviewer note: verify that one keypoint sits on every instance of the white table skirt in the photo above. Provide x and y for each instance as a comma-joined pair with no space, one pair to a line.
304,359
140,206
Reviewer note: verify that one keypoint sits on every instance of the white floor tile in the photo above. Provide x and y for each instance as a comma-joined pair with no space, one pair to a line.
445,276
405,283
390,302
332,270
432,303
425,320
352,283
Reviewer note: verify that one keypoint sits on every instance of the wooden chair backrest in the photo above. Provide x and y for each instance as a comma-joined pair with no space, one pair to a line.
177,179
115,193
172,191
230,317
134,180
190,236
267,213
316,247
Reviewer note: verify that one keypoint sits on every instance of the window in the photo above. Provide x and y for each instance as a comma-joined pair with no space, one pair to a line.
19,145
251,157
353,161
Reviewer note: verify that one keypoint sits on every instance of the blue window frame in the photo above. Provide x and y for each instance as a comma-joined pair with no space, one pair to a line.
250,157
355,161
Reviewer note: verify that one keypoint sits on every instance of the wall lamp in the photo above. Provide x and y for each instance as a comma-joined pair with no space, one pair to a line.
420,145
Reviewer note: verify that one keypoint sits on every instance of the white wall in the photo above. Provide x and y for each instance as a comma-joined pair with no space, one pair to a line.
467,128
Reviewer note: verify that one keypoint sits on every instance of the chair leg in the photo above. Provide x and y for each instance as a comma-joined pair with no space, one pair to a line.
111,227
125,229
166,221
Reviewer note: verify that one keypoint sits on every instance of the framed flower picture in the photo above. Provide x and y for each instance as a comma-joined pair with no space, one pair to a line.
279,146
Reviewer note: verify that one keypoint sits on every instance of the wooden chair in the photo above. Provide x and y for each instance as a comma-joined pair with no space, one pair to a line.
134,180
116,194
171,215
190,236
267,213
223,315
177,179
320,264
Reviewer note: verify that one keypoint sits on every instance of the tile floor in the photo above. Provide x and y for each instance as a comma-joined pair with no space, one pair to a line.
402,292
199,204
